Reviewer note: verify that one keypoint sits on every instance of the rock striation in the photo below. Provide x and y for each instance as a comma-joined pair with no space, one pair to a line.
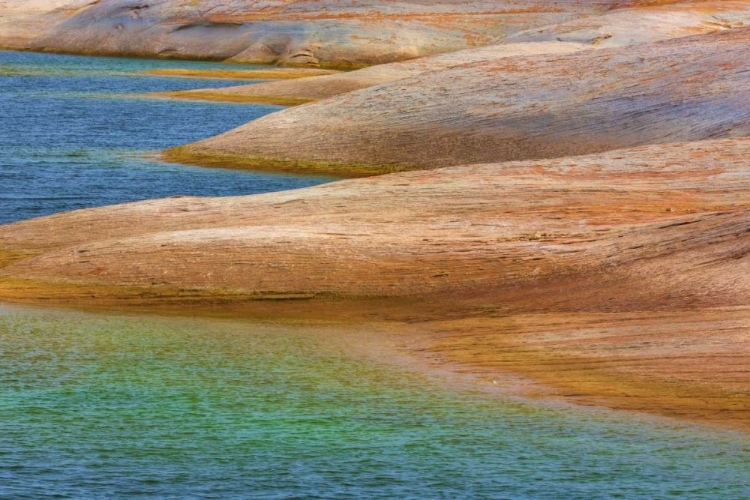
461,228
630,265
578,211
516,108
334,33
322,87
616,28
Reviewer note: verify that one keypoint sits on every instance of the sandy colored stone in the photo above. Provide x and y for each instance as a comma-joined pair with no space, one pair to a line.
460,228
643,24
320,32
619,27
22,22
322,87
518,108
617,279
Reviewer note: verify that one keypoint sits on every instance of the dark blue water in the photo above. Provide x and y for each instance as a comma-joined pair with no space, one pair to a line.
73,136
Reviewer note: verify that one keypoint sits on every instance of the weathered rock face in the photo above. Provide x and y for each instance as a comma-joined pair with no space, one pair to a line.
665,217
313,89
327,32
619,27
620,278
645,24
22,22
547,106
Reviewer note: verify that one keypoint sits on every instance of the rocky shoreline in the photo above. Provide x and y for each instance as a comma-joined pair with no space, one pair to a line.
573,211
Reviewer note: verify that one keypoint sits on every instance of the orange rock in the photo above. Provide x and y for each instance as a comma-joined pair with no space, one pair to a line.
570,272
516,108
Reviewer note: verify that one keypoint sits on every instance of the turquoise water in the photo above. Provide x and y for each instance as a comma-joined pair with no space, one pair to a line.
102,406
73,136
112,407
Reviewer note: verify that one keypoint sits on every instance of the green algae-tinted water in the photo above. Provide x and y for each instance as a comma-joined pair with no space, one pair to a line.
96,407
72,135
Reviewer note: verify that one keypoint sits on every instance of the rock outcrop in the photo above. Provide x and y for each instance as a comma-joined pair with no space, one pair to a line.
646,24
322,87
516,108
331,33
616,28
618,279
321,32
470,228
24,22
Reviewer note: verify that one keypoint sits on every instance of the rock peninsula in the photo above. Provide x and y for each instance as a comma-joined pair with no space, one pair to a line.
628,265
509,108
322,32
567,197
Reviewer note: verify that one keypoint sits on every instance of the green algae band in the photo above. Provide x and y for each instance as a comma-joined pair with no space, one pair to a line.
98,406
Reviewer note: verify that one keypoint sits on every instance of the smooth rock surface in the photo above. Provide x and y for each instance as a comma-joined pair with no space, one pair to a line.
459,228
619,27
645,24
517,108
322,32
322,87
617,279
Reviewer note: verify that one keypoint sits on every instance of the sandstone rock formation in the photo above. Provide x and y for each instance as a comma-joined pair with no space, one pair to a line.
644,24
23,22
326,32
512,109
619,27
632,264
322,87
461,228
331,33
617,278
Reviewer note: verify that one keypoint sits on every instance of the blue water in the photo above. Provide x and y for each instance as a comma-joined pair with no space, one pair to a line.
104,406
72,136
118,407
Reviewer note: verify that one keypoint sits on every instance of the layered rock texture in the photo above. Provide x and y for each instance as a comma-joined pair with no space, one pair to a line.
23,22
327,32
333,33
322,87
631,265
615,28
514,108
466,228
577,209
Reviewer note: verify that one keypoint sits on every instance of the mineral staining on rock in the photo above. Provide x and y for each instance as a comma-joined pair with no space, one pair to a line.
605,244
514,108
578,210
321,32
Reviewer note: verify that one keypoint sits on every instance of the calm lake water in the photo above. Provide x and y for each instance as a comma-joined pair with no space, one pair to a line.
101,406
70,137
96,406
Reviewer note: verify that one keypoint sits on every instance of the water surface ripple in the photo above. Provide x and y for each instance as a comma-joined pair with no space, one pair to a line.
102,406
72,136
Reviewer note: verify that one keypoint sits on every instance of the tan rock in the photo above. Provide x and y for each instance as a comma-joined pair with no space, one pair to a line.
322,87
571,272
619,27
518,108
320,32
